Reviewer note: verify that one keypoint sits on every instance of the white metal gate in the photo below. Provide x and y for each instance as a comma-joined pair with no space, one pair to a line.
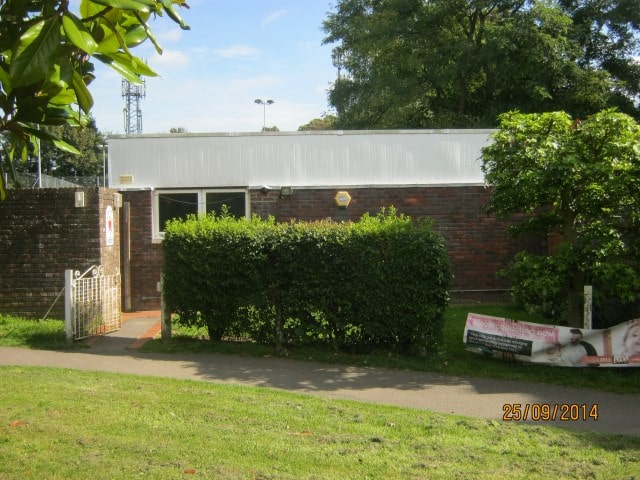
92,303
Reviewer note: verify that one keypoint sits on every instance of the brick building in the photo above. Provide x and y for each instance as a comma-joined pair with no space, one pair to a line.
422,173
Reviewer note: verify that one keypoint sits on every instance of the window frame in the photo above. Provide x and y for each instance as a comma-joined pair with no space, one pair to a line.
202,204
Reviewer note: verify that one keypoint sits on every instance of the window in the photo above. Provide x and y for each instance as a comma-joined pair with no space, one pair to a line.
176,205
170,204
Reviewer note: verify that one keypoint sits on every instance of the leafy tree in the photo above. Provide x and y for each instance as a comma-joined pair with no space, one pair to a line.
88,141
178,130
580,182
459,63
46,54
326,122
270,129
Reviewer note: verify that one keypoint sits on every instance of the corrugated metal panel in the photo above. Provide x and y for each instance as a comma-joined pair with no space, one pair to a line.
298,159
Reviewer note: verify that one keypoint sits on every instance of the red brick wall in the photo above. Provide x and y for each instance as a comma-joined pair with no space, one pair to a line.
478,244
42,234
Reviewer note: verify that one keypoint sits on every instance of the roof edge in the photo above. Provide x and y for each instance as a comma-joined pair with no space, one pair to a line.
444,131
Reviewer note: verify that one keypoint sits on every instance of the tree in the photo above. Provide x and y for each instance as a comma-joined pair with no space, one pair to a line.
46,53
459,63
88,141
326,122
579,181
178,130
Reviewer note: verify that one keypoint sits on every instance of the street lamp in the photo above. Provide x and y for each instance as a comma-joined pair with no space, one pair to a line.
264,104
104,164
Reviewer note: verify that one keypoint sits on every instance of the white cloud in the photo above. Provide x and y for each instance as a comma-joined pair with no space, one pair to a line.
171,60
272,17
172,35
236,51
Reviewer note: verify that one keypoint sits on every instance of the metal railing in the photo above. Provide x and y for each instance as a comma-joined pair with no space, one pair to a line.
92,303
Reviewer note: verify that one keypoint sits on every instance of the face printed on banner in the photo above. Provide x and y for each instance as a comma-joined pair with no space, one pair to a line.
552,352
575,337
632,340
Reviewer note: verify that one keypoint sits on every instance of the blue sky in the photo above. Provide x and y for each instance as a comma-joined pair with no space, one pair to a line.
234,53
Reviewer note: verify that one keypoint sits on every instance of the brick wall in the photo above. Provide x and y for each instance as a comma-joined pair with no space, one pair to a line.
43,233
478,244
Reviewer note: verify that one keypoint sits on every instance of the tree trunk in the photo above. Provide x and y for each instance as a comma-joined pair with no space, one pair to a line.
575,308
576,288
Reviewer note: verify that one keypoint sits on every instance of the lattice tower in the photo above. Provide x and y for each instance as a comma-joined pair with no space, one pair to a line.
132,112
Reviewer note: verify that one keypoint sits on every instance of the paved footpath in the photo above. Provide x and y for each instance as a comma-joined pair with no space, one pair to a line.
476,397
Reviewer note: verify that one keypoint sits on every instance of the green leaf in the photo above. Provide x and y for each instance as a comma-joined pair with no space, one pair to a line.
138,5
79,35
149,33
168,7
47,137
110,42
135,36
129,67
66,147
5,80
89,8
84,98
35,53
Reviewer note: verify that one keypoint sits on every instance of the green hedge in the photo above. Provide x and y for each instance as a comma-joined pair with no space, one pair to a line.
382,281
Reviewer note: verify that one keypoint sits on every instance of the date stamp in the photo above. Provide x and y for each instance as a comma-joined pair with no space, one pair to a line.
549,412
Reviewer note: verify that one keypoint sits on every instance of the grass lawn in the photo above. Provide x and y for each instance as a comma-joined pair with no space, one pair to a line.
63,424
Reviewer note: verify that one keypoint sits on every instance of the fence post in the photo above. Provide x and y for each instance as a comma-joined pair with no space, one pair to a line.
68,305
588,307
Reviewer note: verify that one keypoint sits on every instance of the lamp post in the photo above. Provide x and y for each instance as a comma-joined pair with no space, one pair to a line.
104,164
264,104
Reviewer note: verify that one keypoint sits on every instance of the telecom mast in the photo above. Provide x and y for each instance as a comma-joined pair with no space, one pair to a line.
132,111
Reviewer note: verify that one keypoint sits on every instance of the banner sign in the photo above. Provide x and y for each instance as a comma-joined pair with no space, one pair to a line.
512,340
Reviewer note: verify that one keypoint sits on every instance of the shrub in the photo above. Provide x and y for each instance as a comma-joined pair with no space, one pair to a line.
382,281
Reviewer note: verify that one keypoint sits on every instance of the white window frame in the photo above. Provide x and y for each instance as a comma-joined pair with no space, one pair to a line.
202,204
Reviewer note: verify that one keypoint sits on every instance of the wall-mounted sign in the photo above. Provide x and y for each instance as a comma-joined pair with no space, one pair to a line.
109,227
343,199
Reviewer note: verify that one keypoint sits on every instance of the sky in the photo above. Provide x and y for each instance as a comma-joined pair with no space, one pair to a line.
235,52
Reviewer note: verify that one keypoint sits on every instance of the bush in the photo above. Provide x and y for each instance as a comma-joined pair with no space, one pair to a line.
211,271
539,284
382,281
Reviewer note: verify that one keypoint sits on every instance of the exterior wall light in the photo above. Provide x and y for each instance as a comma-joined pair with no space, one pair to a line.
285,192
343,199
79,199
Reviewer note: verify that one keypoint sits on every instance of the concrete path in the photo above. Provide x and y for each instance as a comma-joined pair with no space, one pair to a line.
477,397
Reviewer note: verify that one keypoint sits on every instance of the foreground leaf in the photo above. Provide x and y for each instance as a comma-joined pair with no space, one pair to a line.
79,35
35,53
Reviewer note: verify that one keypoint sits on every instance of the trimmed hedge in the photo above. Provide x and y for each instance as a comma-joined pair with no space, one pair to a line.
382,281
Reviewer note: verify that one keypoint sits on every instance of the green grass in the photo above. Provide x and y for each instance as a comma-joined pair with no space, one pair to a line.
61,424
38,334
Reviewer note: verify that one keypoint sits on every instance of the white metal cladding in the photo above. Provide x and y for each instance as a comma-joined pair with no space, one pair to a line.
298,159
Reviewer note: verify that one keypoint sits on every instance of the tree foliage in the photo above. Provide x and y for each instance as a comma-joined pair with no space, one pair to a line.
326,122
459,63
88,141
46,61
580,182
